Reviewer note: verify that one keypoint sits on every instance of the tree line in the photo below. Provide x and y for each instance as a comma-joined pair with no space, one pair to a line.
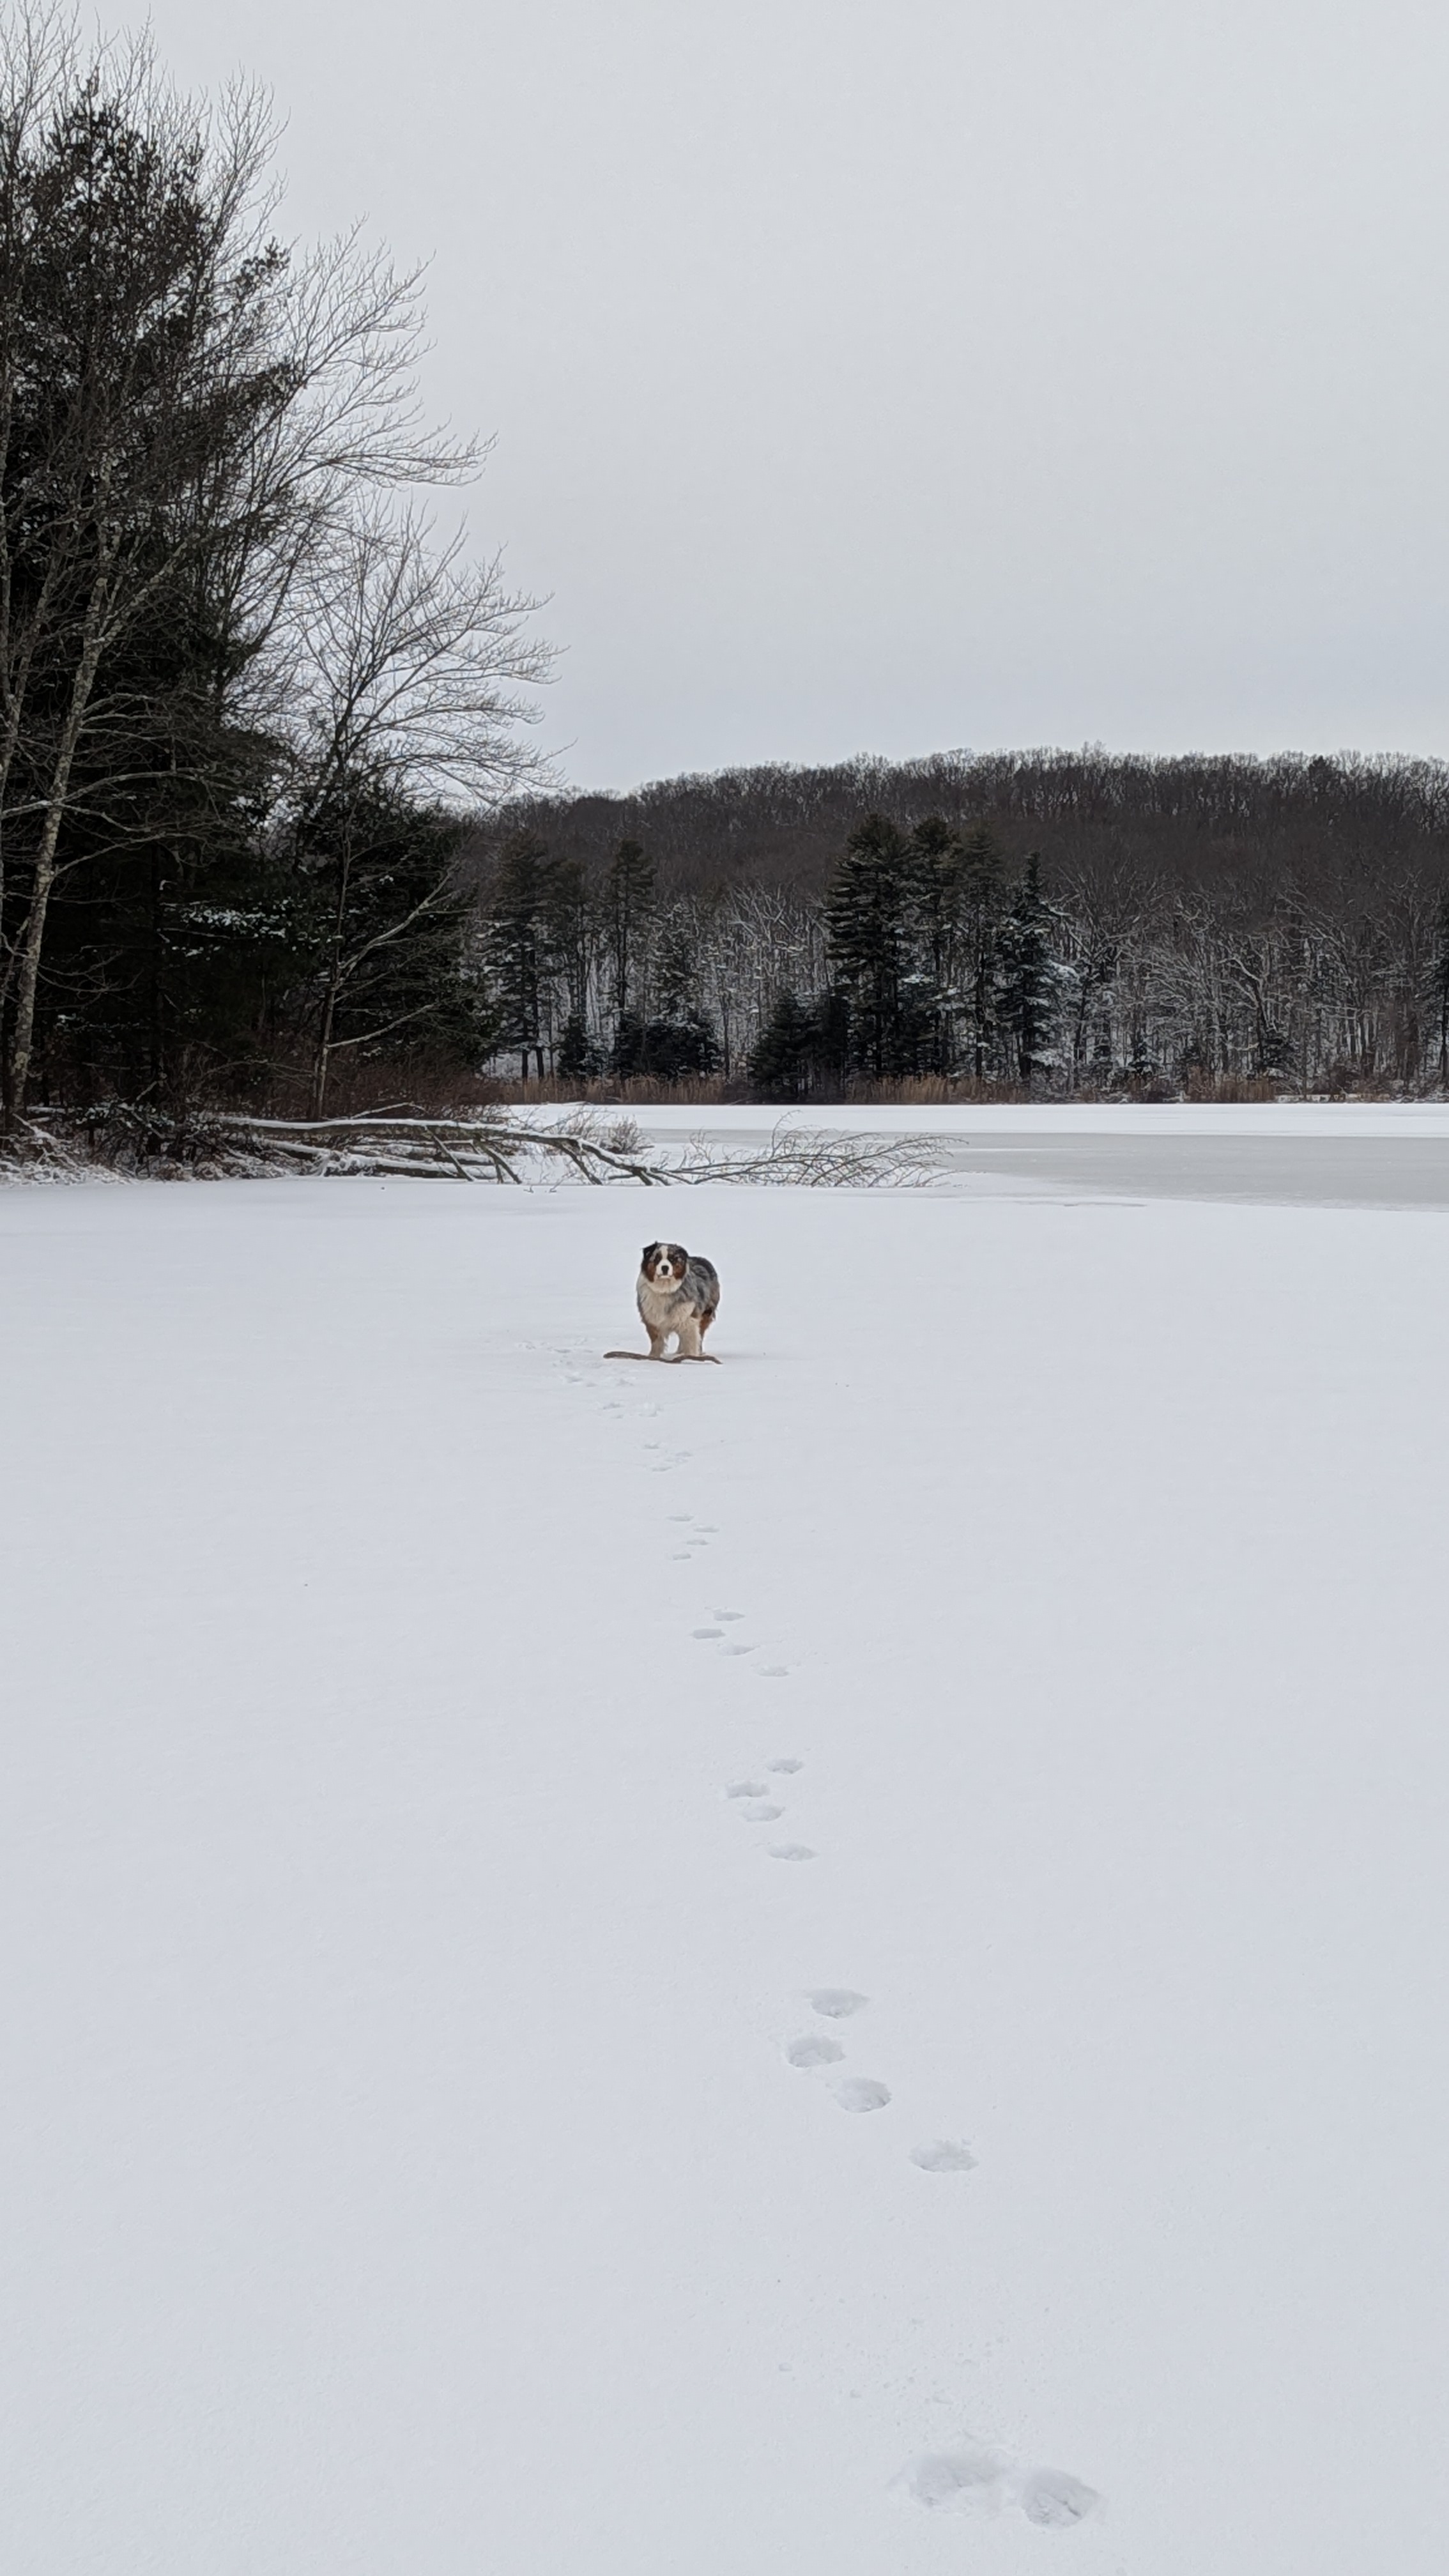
1005,951
923,959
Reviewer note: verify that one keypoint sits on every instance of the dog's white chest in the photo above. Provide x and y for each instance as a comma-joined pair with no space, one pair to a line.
663,1307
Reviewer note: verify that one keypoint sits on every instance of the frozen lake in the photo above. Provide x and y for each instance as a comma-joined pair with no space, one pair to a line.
486,1827
1389,1157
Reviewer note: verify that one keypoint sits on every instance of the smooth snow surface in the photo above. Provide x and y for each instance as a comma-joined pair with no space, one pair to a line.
424,2085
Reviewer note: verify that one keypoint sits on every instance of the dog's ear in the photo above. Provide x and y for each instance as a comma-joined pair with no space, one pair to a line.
644,1255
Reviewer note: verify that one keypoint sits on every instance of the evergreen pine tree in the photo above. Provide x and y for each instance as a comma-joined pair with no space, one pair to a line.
936,870
1141,1071
867,926
780,1061
570,938
980,902
630,1042
1440,990
676,1050
628,911
679,1038
1028,989
577,1061
830,1040
369,866
676,972
518,946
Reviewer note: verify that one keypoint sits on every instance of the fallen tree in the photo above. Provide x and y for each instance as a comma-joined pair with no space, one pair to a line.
136,1141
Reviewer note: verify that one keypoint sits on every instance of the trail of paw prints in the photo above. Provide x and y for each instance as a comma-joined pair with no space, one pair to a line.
660,1458
715,1632
757,1807
663,1461
734,1645
693,1536
816,2048
757,1804
976,2479
574,1373
842,2003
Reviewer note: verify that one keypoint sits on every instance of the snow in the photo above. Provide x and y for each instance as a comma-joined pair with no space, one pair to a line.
412,2159
1247,1121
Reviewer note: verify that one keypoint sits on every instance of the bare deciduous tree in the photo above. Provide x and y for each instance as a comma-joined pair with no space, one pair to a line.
405,661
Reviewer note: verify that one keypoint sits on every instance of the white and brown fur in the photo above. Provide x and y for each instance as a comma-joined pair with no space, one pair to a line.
678,1298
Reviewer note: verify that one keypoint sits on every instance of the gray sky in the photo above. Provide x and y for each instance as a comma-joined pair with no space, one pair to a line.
884,375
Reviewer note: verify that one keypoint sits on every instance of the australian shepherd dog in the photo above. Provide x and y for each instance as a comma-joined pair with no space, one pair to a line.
678,1298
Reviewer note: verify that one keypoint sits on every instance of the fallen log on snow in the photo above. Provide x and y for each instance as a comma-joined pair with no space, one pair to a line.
123,1137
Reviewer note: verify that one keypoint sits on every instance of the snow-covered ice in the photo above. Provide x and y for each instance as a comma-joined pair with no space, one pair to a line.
422,2088
1390,1154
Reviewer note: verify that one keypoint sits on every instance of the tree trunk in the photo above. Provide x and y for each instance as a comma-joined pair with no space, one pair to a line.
156,1044
32,936
322,1054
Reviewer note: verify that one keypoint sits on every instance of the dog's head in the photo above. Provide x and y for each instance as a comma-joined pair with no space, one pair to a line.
665,1264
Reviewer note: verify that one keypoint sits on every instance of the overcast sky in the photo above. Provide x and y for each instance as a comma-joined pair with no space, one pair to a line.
886,375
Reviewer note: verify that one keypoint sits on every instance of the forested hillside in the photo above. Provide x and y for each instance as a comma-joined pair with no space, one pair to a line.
1201,822
1045,921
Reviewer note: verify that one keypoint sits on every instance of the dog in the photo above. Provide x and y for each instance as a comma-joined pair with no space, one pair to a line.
678,1298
